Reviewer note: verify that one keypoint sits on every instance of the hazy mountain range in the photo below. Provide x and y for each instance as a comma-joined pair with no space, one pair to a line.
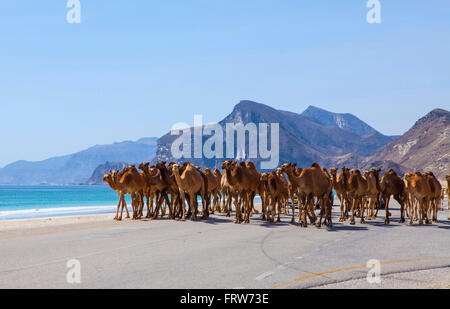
316,135
78,167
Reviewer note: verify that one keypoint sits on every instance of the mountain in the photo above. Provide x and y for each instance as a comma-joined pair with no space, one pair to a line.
77,168
426,146
101,170
303,139
347,122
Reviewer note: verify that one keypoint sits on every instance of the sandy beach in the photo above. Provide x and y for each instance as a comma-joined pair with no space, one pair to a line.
30,224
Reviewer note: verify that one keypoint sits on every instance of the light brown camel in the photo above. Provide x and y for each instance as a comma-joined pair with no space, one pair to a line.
171,187
393,185
358,187
130,181
239,186
213,189
156,187
285,190
277,192
373,191
226,195
436,196
253,177
110,179
419,195
190,183
290,170
312,182
340,185
264,194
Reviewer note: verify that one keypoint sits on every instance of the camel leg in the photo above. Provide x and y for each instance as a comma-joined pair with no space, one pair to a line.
293,209
352,219
118,206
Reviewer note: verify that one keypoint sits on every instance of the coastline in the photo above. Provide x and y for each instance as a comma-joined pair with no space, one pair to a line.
37,223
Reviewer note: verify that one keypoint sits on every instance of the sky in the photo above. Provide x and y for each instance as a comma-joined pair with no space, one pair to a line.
132,69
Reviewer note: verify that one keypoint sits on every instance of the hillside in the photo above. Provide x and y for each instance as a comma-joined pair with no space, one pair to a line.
101,170
76,168
303,140
426,146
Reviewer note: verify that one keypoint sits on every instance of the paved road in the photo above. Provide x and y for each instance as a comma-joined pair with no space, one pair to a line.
220,254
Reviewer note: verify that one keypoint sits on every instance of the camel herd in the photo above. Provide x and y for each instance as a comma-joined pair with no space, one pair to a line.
361,194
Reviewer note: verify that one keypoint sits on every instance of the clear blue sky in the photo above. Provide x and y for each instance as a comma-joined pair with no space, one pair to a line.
133,68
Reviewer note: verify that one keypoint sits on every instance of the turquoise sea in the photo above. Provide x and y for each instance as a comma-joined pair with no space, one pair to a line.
25,202
22,202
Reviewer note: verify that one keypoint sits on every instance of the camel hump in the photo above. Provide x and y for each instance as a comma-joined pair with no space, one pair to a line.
251,165
316,165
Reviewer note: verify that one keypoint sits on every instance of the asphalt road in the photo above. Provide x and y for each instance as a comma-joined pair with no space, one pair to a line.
220,254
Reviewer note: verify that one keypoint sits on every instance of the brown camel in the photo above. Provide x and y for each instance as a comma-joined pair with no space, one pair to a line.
264,194
213,189
190,183
436,196
111,180
277,192
312,182
393,185
239,186
340,185
419,195
156,186
373,191
358,188
130,181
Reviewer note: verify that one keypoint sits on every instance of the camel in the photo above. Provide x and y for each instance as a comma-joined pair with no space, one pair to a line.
358,188
340,185
420,190
110,179
213,188
190,183
393,185
312,182
226,194
277,192
436,195
373,191
130,181
236,178
156,186
285,189
264,194
253,177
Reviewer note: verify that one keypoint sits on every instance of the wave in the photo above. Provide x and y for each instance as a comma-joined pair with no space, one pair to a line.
55,212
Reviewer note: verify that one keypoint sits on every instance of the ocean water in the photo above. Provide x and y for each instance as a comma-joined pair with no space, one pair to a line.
23,202
26,202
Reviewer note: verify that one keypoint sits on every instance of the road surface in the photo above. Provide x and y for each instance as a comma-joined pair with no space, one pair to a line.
220,254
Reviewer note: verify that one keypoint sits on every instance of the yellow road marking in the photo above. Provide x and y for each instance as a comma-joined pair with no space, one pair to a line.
67,230
282,285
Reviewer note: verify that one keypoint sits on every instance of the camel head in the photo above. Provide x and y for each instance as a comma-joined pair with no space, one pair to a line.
228,165
161,164
251,165
107,178
176,168
333,171
144,166
153,171
217,172
264,177
355,172
447,177
207,171
288,167
408,176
